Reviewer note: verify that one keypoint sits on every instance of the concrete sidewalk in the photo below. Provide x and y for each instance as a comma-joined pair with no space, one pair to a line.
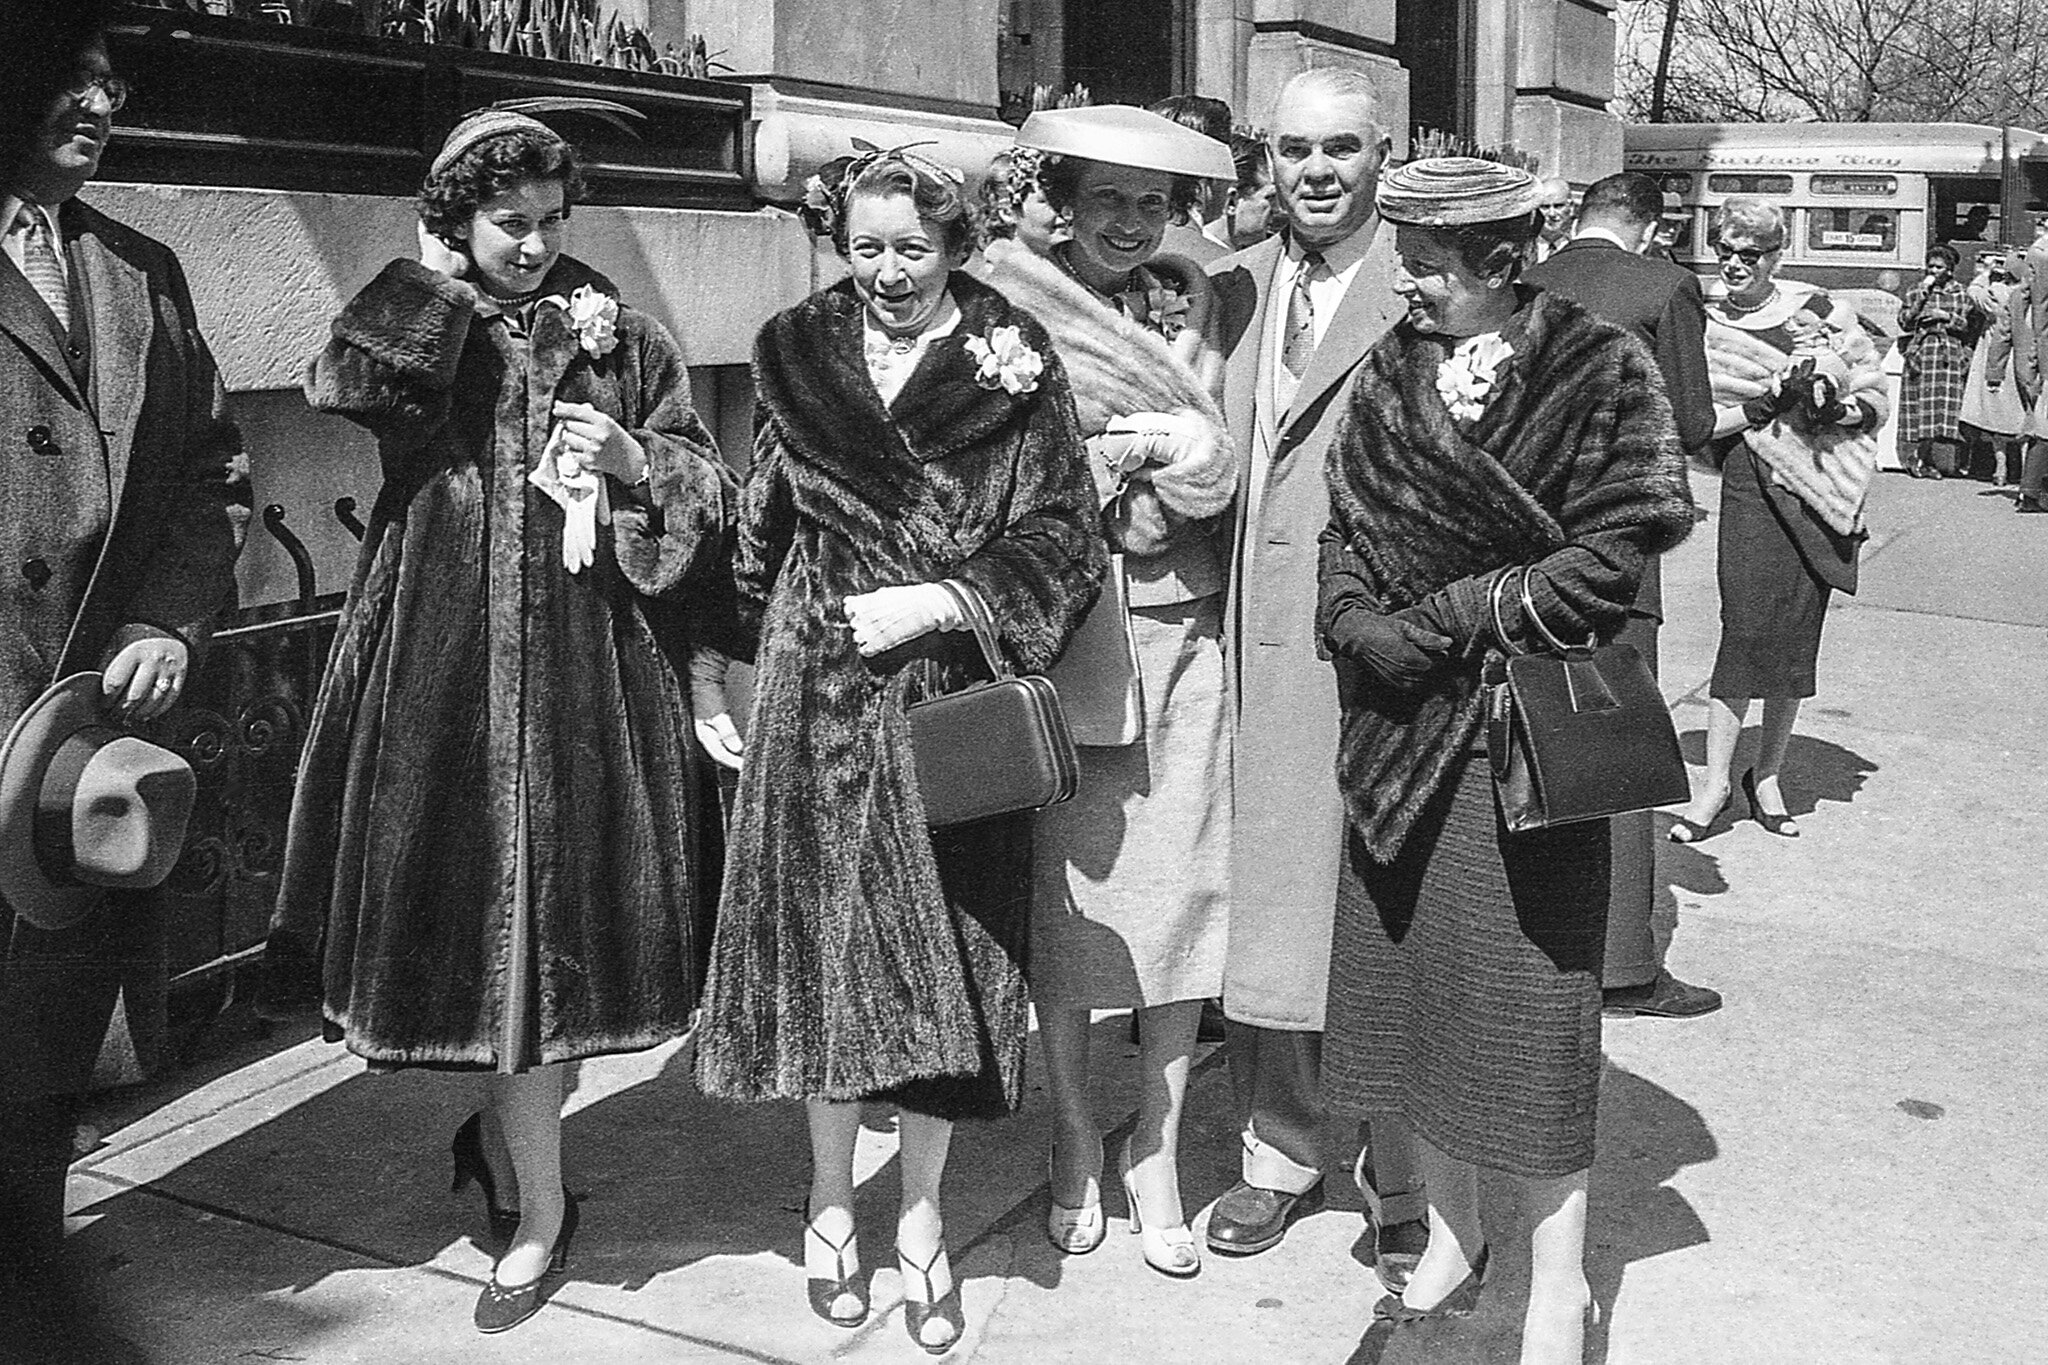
1843,1165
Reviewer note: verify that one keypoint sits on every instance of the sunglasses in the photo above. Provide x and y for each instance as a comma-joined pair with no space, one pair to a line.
1748,255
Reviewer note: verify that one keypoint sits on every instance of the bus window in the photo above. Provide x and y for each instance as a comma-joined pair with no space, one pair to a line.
1674,234
1675,182
1966,209
1748,182
1853,229
1856,186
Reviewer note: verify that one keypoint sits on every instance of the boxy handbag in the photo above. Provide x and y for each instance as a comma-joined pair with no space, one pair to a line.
1097,675
1576,732
991,748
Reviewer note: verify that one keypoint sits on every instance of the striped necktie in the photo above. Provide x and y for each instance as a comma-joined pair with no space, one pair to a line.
39,262
1300,342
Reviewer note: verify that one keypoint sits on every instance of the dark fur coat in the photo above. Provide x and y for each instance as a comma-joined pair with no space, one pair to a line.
858,953
469,663
1573,467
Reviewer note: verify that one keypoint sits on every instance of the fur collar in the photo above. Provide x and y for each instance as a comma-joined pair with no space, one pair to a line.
1828,470
1117,367
812,377
1576,440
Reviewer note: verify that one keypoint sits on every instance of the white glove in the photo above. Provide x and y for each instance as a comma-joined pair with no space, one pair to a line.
888,617
1137,439
714,727
566,476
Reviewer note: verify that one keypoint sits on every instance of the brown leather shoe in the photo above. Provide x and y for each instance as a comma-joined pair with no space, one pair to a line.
1248,1220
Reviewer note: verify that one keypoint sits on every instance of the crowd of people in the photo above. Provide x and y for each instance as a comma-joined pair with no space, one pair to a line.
1331,434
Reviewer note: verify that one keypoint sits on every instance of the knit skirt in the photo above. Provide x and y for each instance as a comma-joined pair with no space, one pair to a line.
1465,983
1131,877
1772,605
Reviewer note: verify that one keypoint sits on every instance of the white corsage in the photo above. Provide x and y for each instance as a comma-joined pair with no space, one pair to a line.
1467,375
580,492
593,317
1005,362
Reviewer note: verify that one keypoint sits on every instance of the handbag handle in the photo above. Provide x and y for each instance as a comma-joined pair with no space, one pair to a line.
1500,628
976,612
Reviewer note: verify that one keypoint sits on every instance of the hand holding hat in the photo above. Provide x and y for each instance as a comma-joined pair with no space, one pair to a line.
144,679
85,807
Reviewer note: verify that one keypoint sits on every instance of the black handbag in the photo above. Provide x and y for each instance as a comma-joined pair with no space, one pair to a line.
1577,732
991,748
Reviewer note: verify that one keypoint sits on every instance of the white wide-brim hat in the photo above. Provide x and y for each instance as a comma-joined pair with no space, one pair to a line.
85,807
1125,135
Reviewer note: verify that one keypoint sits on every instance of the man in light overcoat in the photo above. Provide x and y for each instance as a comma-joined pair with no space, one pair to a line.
1300,311
122,498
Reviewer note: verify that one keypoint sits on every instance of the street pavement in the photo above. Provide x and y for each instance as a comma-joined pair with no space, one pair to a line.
1843,1165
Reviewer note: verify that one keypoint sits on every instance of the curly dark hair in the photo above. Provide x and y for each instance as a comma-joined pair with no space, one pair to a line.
1495,248
937,200
1061,180
451,197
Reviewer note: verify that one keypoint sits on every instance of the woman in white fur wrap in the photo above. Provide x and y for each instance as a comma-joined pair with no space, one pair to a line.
1130,881
1798,398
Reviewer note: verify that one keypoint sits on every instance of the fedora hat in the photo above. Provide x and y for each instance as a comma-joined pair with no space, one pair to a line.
85,807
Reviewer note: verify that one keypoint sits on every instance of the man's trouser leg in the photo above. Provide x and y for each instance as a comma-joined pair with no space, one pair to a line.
1276,1075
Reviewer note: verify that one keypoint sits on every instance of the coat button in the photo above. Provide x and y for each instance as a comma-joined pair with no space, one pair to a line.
36,571
40,442
75,351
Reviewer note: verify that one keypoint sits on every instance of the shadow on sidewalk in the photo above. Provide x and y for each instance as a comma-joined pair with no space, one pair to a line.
1816,770
1647,1136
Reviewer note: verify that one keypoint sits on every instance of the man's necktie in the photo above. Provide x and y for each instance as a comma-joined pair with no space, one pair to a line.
39,262
1300,342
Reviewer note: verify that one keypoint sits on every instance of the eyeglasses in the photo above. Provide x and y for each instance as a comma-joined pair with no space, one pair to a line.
112,87
1748,255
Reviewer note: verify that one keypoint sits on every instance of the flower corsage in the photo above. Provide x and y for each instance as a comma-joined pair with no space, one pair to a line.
1005,362
593,317
1466,378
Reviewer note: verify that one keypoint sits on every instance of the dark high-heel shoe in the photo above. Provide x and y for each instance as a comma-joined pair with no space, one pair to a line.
499,1309
916,1313
1684,831
1460,1302
467,1147
845,1282
1784,826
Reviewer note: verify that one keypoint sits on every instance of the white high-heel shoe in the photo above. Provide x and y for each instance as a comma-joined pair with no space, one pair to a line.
1170,1251
1074,1231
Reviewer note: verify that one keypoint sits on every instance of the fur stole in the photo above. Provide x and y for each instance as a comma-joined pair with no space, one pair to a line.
1829,469
1576,441
1117,368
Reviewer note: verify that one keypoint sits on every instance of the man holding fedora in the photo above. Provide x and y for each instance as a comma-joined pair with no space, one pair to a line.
122,498
1299,313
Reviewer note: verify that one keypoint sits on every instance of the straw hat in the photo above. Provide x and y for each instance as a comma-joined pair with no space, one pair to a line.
1451,191
85,807
1125,135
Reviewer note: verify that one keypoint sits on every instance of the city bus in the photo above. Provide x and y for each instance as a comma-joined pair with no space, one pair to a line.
1864,200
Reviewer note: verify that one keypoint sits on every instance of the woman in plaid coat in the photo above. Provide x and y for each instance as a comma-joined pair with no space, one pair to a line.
1937,350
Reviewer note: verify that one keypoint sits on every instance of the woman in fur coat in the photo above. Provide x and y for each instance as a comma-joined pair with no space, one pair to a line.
1798,398
914,430
1497,436
1131,876
491,863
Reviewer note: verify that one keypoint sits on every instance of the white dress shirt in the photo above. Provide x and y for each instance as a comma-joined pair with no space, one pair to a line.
1326,291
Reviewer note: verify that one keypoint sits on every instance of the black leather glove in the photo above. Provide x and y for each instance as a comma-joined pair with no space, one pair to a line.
1399,653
